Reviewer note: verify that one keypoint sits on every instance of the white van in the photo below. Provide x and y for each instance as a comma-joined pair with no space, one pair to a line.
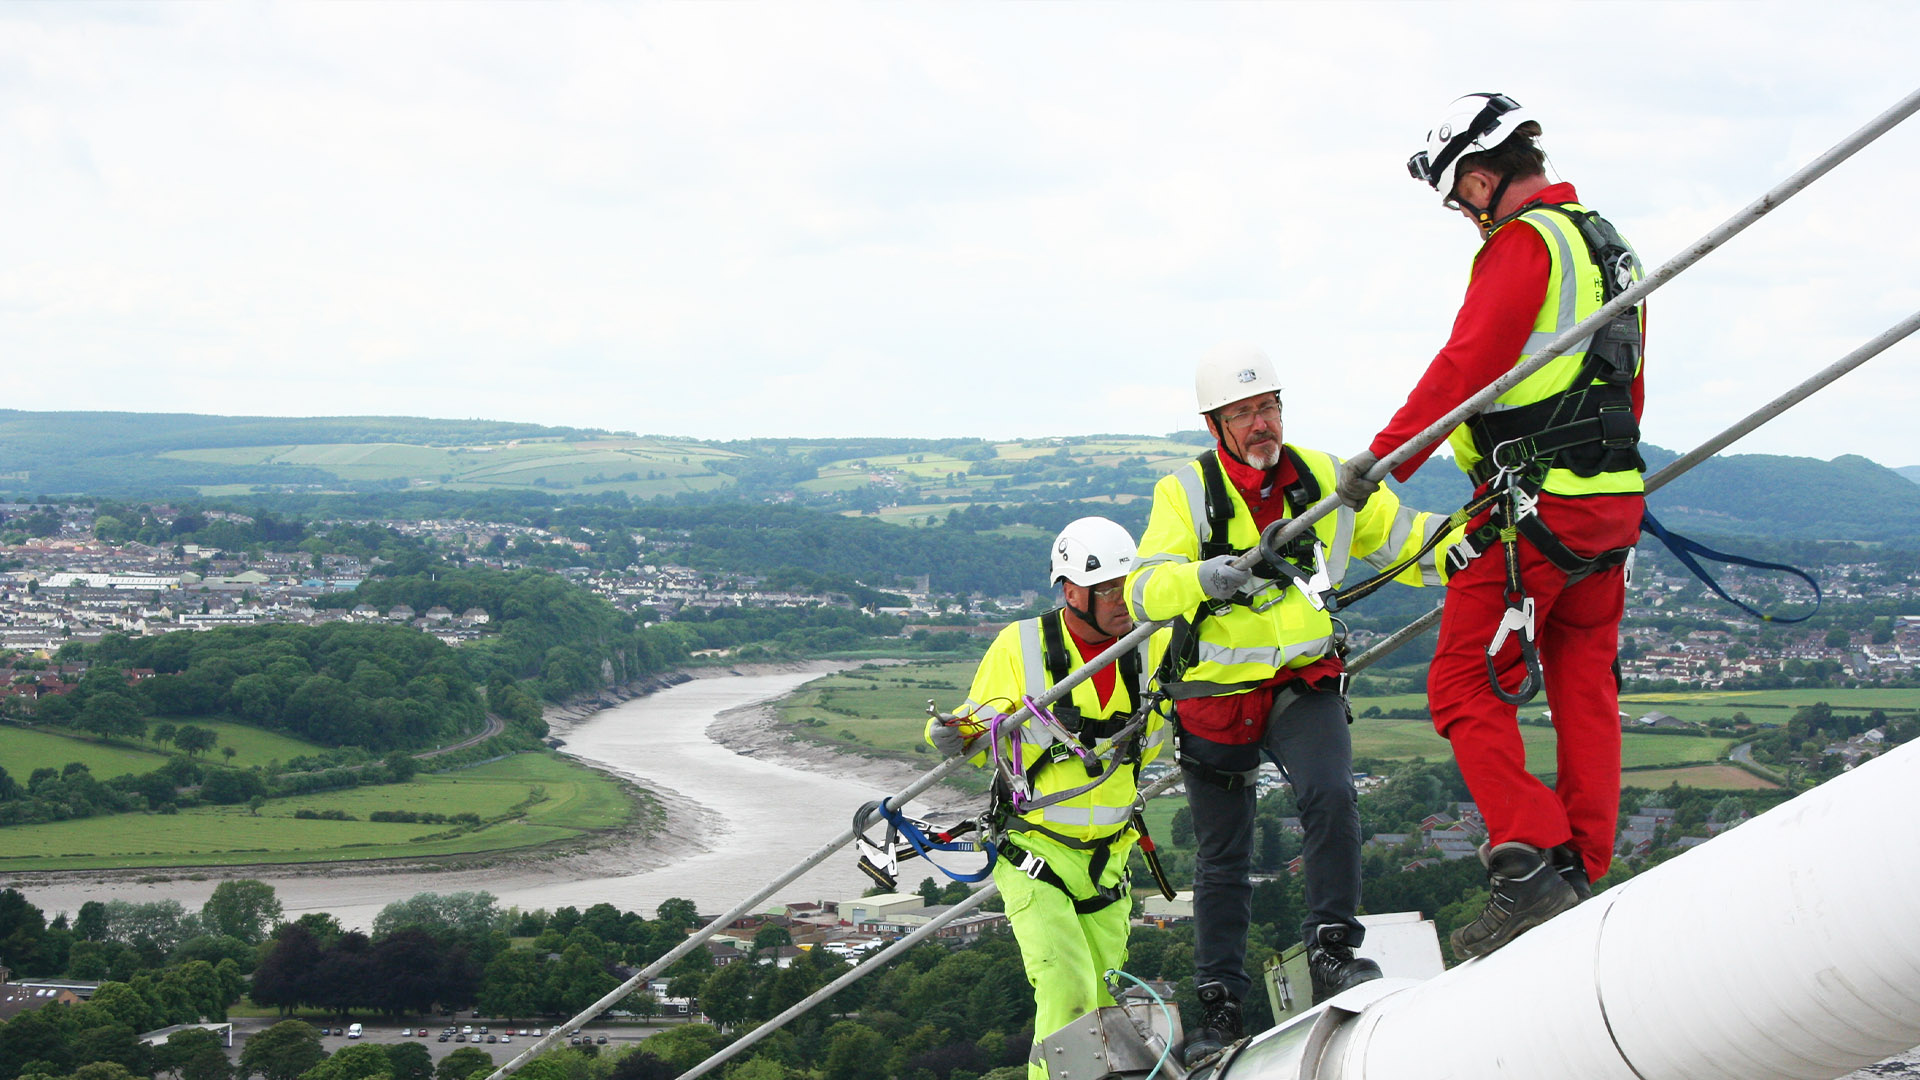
353,1031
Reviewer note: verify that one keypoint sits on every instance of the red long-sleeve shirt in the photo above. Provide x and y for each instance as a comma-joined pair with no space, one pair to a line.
1503,298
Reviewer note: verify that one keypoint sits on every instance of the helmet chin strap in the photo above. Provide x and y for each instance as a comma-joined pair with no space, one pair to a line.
1221,427
1085,616
1483,216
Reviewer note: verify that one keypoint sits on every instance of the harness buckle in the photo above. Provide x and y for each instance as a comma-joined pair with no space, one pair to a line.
1618,429
1032,866
1517,618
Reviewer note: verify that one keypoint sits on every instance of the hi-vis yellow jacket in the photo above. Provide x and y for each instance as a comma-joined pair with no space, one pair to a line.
1574,292
1243,648
1014,667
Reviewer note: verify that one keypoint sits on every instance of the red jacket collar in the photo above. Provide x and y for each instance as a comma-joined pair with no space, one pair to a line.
1250,480
1555,193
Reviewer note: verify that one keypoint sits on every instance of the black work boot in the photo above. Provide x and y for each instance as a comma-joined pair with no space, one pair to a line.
1219,1024
1331,964
1526,891
1573,870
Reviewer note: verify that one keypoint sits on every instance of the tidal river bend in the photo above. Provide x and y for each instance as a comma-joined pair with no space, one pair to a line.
739,820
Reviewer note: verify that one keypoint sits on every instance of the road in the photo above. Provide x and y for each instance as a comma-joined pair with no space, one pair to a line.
495,726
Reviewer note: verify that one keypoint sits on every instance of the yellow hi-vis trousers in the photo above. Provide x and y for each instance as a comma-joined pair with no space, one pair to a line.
1064,952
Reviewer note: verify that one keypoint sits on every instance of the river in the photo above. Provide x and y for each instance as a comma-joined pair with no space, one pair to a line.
740,821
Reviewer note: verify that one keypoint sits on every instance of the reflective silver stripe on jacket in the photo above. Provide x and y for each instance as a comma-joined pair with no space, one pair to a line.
1086,816
1264,655
1569,297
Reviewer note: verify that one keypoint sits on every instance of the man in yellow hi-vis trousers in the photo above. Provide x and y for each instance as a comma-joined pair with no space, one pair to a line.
1064,791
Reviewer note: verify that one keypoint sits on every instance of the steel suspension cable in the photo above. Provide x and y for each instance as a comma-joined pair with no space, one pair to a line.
1786,189
1673,469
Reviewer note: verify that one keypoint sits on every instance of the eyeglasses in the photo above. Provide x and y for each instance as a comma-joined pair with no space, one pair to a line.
1239,417
1110,592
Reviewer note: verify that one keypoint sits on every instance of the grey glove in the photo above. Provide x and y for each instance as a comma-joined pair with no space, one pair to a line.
948,740
1351,479
1221,579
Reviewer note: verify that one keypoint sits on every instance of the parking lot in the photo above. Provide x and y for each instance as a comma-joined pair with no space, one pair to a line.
617,1035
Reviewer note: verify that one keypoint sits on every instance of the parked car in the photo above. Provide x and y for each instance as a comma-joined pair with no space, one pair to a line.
462,1037
353,1031
483,1029
444,1038
536,1033
406,1033
466,1029
601,1040
506,1038
493,1038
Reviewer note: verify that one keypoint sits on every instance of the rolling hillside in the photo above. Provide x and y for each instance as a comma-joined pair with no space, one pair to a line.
906,481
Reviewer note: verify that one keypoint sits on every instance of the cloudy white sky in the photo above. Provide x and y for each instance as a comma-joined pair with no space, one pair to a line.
791,219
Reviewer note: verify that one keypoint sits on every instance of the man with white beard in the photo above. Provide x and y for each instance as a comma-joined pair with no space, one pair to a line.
1257,670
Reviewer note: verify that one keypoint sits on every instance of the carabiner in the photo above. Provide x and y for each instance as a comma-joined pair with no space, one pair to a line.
1518,617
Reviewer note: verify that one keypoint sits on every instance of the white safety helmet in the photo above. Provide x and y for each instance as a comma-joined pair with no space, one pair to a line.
1230,372
1471,125
1091,550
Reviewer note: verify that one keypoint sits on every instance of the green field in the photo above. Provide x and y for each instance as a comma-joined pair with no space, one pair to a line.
577,802
884,707
662,467
23,750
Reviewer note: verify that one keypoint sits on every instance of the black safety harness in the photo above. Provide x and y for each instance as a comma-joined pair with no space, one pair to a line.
1128,731
1588,428
907,838
1280,563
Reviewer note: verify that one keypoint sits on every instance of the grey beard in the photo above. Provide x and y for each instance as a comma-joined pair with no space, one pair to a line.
1265,457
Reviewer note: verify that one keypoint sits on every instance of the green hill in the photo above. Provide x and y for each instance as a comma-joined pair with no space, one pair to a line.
1020,487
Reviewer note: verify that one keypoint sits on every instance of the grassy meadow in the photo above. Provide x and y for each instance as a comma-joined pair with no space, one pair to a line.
523,801
22,750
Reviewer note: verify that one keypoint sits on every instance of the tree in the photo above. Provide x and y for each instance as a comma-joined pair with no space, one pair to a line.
463,1063
209,1064
638,1064
109,713
356,1062
774,938
512,984
194,741
283,1051
467,915
406,971
409,1061
23,930
244,908
282,978
854,1052
679,913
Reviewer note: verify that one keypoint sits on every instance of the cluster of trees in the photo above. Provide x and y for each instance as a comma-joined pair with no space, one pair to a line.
1804,738
338,684
552,634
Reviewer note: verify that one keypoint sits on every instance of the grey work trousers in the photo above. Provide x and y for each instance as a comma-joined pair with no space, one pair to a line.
1307,738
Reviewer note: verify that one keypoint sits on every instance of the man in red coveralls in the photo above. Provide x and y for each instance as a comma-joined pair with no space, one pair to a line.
1564,439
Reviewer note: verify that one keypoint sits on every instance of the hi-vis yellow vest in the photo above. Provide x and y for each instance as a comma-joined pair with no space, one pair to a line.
1574,292
1015,667
1243,648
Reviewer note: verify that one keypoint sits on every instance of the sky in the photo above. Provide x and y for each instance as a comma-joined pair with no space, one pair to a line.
1002,220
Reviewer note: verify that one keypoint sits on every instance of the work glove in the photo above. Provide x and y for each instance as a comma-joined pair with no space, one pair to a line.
1220,579
948,740
1351,479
